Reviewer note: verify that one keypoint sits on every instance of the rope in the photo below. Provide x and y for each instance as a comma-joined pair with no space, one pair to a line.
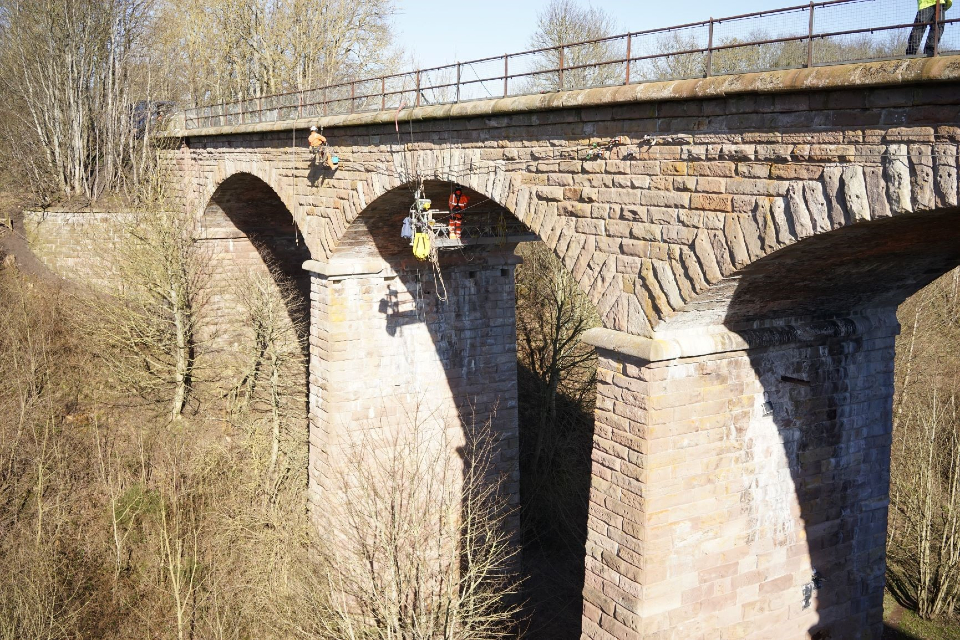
296,198
435,261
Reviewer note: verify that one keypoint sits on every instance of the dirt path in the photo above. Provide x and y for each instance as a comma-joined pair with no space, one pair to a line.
896,614
13,242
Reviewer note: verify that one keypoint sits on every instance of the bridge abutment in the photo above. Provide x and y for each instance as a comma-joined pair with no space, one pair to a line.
741,491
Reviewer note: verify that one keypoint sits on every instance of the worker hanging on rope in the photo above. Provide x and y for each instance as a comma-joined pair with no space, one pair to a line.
321,154
317,143
458,202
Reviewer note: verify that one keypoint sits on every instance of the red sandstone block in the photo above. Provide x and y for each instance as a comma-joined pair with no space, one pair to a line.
628,486
668,199
714,169
591,612
617,630
776,585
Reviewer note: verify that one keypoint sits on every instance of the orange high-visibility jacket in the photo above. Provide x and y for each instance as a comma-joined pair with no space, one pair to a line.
316,140
458,203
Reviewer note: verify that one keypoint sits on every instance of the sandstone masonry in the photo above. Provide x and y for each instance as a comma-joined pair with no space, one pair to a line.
745,249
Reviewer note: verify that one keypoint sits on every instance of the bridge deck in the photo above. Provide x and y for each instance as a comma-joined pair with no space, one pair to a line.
810,35
844,76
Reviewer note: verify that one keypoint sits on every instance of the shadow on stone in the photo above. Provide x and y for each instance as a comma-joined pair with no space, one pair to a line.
246,225
890,633
819,317
554,514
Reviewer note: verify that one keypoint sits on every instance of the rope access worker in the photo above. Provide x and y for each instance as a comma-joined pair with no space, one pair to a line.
318,145
458,202
929,13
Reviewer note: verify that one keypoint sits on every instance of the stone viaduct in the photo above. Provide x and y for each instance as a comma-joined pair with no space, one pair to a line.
746,249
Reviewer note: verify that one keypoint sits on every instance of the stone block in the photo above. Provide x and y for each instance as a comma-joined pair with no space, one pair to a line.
711,202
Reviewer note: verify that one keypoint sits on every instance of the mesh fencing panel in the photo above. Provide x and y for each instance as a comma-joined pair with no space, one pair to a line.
818,33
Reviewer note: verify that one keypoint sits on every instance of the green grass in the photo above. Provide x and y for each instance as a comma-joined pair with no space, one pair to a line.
903,624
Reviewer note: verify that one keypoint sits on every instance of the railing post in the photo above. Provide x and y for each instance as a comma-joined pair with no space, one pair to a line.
709,65
561,68
936,31
383,94
259,108
300,104
324,101
458,82
506,74
810,38
417,101
353,94
629,55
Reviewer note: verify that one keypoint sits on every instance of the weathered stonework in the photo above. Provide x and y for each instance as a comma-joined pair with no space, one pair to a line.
705,187
387,353
732,487
745,249
72,244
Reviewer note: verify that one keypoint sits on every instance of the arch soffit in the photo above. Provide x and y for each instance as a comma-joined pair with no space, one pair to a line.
263,171
595,273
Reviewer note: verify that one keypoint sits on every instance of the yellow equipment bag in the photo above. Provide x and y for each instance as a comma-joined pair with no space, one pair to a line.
421,246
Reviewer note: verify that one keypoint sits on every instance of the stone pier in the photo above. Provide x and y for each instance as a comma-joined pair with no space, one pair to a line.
387,354
740,486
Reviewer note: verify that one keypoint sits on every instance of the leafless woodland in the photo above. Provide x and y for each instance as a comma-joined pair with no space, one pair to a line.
146,493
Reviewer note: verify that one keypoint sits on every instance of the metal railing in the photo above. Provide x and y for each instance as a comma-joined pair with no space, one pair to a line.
814,34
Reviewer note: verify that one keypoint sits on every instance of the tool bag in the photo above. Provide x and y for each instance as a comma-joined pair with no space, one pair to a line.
421,246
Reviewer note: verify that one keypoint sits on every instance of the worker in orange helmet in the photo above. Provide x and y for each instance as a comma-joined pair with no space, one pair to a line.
458,202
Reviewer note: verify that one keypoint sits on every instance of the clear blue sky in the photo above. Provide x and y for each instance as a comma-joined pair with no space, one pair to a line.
437,32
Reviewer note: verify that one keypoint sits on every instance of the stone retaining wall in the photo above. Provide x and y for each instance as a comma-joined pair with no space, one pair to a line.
76,245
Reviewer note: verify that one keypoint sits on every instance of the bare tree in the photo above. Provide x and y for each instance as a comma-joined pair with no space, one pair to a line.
48,588
240,49
557,385
683,55
416,547
552,315
565,22
274,373
149,329
924,528
70,70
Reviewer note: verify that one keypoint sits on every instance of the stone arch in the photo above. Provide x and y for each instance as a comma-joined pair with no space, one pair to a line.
894,180
201,180
846,204
245,226
493,174
769,403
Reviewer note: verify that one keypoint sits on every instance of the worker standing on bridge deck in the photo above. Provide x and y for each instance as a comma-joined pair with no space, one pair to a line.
458,202
930,12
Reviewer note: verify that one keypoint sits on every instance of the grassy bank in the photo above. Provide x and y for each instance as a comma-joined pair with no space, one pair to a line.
903,624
